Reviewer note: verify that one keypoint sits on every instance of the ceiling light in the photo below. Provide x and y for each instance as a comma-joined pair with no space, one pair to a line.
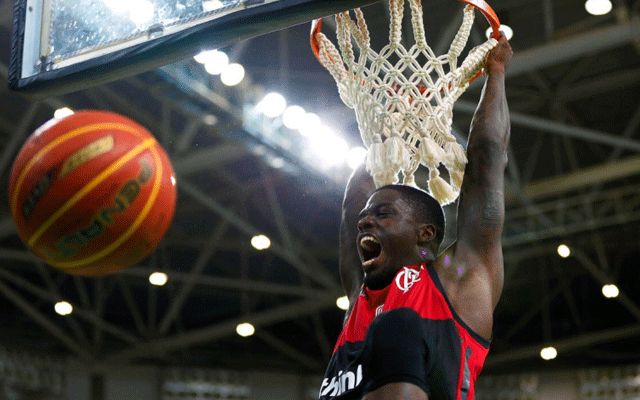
343,303
245,329
610,291
331,148
210,119
564,251
356,156
232,74
508,32
260,242
158,278
277,163
293,117
272,105
259,150
214,61
598,7
310,124
62,112
63,308
203,56
548,353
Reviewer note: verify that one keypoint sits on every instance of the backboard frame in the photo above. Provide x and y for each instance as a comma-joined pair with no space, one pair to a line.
259,17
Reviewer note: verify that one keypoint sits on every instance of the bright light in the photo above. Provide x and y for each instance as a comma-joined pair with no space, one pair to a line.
277,163
260,242
610,291
118,6
356,156
320,133
62,112
232,74
343,303
210,5
214,61
140,11
309,125
272,105
158,278
598,7
63,308
284,143
508,32
245,329
173,180
259,150
205,55
331,148
293,117
548,353
564,251
210,119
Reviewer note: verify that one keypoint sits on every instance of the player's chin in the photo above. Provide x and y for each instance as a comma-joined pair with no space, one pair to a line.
378,279
377,275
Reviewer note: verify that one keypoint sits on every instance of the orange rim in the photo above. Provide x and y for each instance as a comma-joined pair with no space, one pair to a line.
483,6
488,13
316,27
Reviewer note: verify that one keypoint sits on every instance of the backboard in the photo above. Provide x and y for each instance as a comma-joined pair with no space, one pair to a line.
61,46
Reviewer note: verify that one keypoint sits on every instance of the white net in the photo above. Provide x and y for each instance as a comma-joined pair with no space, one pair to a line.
403,98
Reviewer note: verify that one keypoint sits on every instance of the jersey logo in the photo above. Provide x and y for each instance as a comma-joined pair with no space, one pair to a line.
379,310
341,383
406,278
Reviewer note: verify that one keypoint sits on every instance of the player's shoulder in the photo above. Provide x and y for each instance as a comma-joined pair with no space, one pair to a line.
467,286
459,271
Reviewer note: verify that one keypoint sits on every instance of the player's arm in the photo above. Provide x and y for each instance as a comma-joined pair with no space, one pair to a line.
481,206
359,188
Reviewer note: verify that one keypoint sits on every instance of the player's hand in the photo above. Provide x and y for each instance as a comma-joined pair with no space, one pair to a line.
499,58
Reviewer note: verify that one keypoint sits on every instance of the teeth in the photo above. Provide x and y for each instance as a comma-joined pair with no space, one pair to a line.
367,241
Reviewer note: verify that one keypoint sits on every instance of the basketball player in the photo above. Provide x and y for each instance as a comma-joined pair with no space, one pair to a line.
420,322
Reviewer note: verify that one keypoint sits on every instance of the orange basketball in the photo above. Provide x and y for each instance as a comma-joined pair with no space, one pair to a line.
92,193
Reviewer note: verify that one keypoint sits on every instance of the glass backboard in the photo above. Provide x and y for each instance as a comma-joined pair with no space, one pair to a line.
64,45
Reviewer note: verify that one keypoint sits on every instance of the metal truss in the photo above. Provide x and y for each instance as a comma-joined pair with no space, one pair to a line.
570,215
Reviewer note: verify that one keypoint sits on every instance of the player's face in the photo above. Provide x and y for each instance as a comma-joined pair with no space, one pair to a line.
387,238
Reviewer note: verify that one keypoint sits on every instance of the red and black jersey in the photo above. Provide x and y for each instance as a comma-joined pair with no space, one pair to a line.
456,353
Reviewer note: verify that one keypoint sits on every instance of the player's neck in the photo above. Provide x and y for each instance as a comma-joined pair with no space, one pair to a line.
427,255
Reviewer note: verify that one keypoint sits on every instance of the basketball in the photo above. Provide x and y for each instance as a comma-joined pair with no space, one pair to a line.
92,193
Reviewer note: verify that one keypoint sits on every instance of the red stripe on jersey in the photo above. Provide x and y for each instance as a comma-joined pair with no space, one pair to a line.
412,287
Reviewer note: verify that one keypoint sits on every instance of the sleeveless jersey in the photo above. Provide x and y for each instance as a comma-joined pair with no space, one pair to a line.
456,353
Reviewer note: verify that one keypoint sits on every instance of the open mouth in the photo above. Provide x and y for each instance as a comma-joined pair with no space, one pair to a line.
370,249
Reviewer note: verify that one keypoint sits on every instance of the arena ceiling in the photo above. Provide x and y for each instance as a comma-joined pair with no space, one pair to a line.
574,94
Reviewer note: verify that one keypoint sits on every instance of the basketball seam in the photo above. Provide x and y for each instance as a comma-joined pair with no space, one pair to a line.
116,243
88,187
54,144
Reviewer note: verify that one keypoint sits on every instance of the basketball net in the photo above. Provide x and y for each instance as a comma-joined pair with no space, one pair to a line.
404,107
